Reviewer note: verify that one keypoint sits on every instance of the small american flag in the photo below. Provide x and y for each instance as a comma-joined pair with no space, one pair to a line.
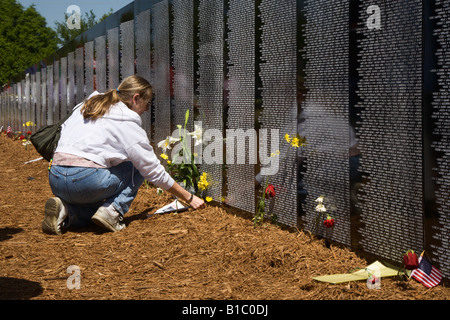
9,129
426,273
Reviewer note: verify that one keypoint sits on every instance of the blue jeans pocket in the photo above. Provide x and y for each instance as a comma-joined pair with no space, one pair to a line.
82,174
87,185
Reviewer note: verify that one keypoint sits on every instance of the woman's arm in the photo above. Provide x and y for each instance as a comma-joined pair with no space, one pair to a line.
185,196
145,160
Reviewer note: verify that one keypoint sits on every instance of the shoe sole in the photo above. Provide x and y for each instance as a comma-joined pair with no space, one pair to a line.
51,215
103,223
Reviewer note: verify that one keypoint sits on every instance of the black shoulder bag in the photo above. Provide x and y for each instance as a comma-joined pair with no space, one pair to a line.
45,140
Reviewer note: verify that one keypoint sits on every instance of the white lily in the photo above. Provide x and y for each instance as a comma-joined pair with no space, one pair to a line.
197,134
167,143
321,208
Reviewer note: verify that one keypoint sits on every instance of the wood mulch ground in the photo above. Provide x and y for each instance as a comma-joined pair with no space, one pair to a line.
213,253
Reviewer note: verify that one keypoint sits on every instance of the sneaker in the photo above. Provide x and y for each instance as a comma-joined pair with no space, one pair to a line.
54,216
108,218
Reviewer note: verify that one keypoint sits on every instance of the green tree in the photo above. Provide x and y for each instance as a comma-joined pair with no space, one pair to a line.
87,21
25,39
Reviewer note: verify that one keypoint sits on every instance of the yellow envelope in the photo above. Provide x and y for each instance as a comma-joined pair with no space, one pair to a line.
362,274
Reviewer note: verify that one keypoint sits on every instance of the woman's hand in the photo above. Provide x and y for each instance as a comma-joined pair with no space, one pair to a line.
185,196
197,203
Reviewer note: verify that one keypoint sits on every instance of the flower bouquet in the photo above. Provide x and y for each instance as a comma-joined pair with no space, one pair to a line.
181,165
269,190
323,217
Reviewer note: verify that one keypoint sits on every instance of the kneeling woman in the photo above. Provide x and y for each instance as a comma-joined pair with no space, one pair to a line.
102,158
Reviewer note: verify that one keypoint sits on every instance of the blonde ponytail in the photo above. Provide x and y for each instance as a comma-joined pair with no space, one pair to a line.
99,105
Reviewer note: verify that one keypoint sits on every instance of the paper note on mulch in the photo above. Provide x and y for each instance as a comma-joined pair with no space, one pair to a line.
175,206
362,274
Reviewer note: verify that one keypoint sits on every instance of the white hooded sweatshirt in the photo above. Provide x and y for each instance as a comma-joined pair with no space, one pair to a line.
114,138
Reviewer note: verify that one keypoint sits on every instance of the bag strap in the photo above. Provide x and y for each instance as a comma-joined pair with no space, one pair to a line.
60,123
67,116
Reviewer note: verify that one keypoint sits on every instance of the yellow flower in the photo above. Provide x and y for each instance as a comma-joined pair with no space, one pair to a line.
287,138
203,183
169,162
208,199
164,156
274,154
298,141
295,142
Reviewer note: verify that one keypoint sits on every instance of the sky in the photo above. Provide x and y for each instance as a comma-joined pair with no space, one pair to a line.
53,10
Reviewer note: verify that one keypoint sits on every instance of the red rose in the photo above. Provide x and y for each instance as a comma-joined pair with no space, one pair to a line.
22,137
329,222
29,132
270,191
410,260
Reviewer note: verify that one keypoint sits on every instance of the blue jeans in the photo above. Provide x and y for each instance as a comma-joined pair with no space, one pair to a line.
84,190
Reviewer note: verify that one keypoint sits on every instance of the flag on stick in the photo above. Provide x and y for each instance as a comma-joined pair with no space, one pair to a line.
426,273
9,133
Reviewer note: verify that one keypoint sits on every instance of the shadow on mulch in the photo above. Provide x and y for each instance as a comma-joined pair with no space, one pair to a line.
6,233
92,228
18,289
